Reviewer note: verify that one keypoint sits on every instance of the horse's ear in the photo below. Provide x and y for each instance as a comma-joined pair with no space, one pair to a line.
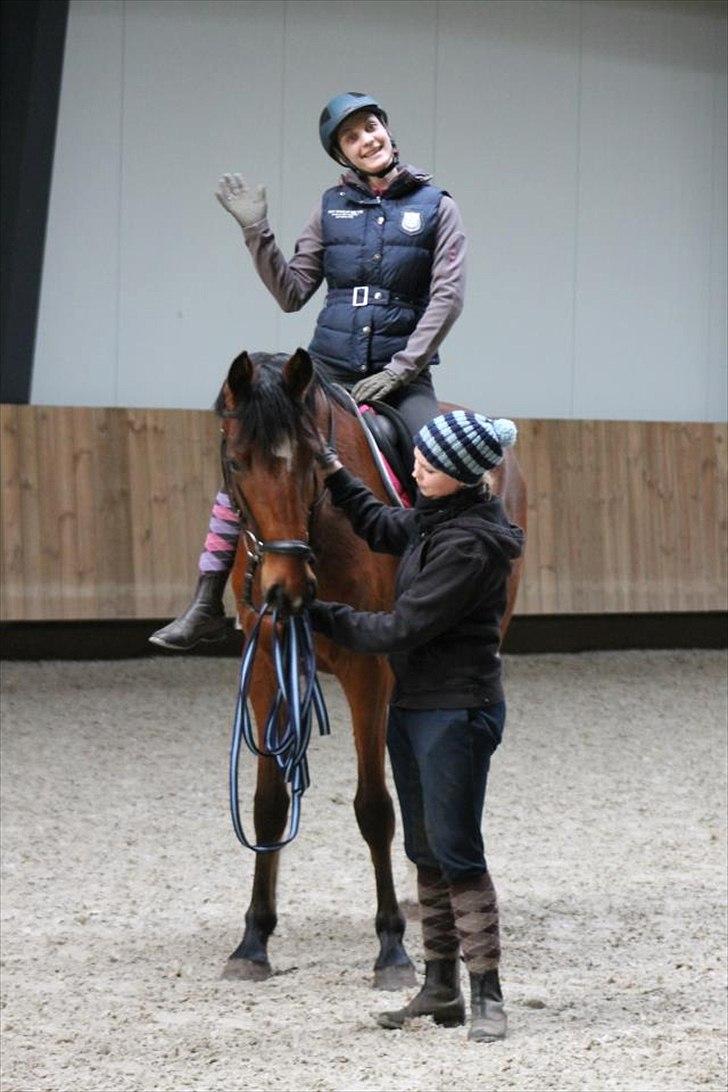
238,380
298,373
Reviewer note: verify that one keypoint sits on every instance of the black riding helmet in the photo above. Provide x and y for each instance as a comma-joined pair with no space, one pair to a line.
339,109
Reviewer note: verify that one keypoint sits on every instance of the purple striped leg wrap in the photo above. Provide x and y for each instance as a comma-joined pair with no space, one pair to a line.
222,537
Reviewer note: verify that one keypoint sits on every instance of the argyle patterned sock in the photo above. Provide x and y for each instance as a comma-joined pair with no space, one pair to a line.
475,909
438,926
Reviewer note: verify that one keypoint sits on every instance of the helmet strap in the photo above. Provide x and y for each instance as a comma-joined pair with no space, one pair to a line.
394,162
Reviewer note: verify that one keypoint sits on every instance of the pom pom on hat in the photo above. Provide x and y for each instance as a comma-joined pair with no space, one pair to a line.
505,430
464,444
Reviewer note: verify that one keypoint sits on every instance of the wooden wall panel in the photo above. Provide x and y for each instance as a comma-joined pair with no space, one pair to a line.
104,512
624,516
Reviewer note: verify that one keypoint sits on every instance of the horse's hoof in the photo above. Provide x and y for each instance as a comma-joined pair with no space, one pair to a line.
247,970
392,978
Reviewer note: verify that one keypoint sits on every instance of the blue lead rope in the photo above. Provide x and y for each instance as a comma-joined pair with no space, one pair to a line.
287,729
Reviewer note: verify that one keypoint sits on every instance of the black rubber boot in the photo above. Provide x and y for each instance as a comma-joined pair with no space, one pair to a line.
488,1020
440,998
204,619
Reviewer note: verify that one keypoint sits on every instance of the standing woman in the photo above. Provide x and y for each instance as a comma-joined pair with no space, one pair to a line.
448,709
391,248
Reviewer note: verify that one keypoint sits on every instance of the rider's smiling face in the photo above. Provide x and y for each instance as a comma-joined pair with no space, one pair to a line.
365,142
432,482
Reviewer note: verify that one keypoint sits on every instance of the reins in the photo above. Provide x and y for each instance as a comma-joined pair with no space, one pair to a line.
289,723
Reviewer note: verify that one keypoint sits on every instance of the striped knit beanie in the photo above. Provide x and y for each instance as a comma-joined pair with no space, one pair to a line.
465,445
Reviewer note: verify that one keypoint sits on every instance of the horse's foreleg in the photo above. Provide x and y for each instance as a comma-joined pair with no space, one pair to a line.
367,689
270,811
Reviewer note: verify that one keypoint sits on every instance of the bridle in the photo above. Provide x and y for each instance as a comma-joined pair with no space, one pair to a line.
255,547
286,731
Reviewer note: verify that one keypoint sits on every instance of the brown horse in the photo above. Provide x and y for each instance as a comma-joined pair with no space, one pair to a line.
273,411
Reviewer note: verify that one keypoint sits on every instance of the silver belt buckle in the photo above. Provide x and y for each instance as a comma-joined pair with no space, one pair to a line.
360,296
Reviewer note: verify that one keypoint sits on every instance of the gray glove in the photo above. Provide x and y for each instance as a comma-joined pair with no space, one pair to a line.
246,203
376,387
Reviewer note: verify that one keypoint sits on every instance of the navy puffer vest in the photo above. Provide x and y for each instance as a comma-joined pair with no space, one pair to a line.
378,265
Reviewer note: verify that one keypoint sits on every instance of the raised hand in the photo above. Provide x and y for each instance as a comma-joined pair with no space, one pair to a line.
246,203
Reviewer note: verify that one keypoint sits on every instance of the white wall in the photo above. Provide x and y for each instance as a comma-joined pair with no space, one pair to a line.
584,141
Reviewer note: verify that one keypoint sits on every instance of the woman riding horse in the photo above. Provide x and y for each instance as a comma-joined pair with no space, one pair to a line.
391,248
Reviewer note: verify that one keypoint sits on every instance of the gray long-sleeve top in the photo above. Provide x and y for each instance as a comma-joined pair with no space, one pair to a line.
292,283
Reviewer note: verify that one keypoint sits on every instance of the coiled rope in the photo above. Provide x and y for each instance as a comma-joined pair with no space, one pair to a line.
289,723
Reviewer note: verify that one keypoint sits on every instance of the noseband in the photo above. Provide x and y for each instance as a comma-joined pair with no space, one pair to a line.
255,548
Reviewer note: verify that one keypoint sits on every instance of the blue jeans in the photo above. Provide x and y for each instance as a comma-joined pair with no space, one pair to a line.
440,761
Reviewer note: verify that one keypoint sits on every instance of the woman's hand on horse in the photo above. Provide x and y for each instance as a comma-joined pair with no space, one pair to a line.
327,457
246,203
378,386
319,614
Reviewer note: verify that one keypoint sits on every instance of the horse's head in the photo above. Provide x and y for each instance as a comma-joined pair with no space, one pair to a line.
268,411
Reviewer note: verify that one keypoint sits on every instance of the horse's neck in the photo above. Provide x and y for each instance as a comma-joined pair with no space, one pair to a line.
347,570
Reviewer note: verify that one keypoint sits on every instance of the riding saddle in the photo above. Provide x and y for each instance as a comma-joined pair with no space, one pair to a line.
392,437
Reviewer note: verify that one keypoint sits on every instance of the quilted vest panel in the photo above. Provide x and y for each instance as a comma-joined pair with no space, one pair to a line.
378,266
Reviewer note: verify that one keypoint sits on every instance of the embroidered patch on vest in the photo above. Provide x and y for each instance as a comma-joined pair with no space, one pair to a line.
411,221
346,214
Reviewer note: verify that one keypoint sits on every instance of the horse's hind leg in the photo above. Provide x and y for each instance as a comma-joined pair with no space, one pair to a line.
250,958
367,693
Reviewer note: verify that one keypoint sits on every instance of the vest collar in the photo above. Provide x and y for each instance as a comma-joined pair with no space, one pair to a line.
406,180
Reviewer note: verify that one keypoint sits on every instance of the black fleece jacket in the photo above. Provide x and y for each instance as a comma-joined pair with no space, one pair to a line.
443,635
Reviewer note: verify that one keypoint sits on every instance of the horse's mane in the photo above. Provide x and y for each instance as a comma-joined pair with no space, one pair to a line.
268,414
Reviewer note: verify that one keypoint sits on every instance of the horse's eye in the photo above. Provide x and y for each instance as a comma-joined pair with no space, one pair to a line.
234,465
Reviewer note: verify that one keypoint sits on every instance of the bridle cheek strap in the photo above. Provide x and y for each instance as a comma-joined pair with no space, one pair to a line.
255,547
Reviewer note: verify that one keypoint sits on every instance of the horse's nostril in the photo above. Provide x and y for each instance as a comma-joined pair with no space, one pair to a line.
287,602
276,597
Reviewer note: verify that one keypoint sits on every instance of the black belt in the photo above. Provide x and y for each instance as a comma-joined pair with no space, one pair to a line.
369,295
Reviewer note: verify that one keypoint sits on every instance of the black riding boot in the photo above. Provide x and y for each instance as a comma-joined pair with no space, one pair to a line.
440,997
204,619
487,1016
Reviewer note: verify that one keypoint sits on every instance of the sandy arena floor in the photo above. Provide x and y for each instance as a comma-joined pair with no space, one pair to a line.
124,890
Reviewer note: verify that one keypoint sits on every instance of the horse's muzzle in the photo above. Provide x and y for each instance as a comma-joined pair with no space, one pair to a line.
287,583
285,604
